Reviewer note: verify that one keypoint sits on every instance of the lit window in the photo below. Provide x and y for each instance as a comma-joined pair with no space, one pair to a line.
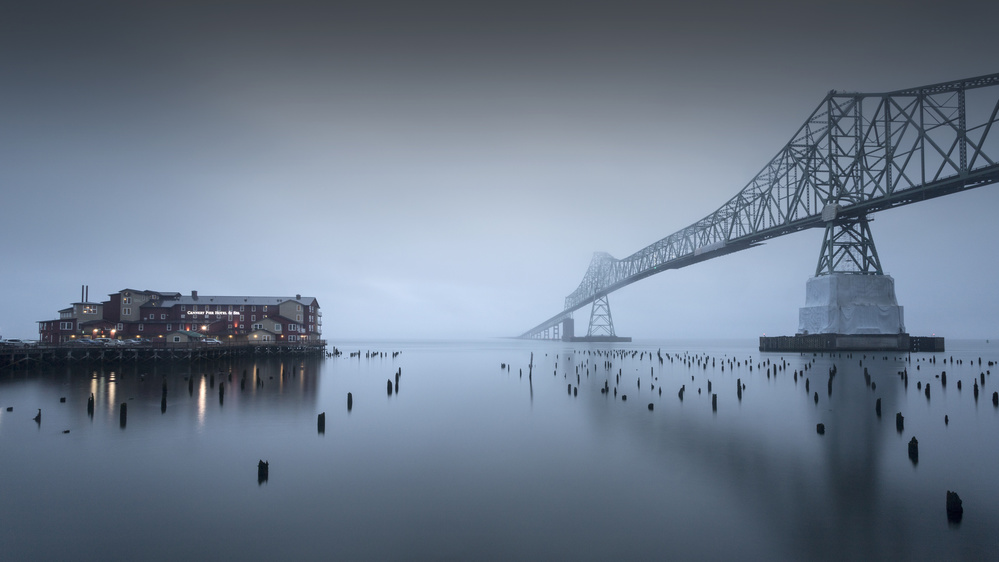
126,311
126,300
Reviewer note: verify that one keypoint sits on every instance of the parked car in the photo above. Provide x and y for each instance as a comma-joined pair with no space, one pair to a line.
135,341
15,343
78,342
108,342
211,341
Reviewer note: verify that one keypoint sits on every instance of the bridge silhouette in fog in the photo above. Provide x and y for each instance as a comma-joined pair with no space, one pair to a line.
855,155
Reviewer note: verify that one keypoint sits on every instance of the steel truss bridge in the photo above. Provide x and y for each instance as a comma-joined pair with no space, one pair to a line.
856,154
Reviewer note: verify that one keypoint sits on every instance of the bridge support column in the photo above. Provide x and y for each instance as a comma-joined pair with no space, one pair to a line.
850,294
601,323
568,329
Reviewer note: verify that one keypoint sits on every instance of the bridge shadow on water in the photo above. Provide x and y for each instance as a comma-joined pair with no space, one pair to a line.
850,493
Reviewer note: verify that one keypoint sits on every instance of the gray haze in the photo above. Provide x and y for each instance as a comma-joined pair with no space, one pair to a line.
431,169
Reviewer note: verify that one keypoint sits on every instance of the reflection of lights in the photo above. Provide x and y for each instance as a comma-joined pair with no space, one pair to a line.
112,387
202,398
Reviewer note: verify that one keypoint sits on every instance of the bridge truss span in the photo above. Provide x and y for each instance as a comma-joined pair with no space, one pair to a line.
856,154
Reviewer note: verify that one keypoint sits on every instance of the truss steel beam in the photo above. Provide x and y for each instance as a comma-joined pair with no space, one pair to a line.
601,322
856,154
848,247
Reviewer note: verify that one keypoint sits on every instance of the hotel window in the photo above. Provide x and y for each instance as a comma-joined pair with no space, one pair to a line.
277,327
176,339
298,307
183,307
265,308
229,309
169,327
162,316
194,308
241,319
258,326
253,308
119,326
140,327
298,317
292,338
65,325
241,308
126,311
253,318
90,309
126,300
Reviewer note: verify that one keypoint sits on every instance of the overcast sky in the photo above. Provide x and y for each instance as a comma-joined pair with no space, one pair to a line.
446,169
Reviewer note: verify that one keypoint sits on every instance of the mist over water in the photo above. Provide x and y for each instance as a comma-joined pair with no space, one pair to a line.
468,460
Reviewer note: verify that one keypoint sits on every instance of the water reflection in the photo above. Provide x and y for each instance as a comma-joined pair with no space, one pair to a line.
202,401
468,459
111,389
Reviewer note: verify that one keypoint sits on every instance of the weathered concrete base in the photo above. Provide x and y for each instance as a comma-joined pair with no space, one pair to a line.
598,339
844,303
851,342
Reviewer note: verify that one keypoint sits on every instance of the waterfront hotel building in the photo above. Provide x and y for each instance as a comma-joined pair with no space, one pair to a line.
175,318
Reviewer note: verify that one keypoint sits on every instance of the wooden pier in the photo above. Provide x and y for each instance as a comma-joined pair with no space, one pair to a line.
45,355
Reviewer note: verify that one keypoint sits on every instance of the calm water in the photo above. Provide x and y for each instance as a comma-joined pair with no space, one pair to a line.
468,461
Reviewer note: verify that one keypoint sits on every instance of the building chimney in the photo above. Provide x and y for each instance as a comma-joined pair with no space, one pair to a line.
82,292
194,295
86,297
299,297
